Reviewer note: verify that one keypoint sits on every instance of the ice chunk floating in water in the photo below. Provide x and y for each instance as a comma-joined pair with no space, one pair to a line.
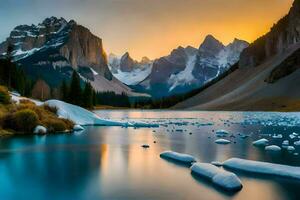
261,143
222,141
263,168
179,157
223,179
273,148
221,133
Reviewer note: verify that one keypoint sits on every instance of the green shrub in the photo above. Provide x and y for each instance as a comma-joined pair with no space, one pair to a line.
26,101
4,95
50,109
68,123
55,125
25,120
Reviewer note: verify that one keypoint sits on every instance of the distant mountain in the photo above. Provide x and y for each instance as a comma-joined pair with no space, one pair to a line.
128,70
267,76
56,47
188,68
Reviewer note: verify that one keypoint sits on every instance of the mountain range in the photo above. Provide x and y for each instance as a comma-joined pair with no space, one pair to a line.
181,71
267,76
55,47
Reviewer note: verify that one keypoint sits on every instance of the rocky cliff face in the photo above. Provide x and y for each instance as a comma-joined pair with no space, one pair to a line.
281,36
74,44
127,64
164,67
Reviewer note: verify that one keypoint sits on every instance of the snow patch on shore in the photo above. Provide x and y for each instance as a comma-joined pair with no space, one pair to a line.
79,115
82,116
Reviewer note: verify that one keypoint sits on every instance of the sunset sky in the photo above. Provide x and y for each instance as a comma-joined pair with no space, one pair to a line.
151,27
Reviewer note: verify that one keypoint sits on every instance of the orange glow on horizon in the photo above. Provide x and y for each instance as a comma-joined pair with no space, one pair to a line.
155,34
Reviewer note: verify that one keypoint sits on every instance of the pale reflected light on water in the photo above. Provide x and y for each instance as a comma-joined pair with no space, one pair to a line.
109,162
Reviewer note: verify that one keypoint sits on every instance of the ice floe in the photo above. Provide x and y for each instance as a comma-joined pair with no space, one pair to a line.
277,136
221,133
297,143
273,148
179,157
263,168
261,142
285,144
222,141
290,148
223,179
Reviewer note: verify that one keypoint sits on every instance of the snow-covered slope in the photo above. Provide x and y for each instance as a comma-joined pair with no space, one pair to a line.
79,115
134,77
129,71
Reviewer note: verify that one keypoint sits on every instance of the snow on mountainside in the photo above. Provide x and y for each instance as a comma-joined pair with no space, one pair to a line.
188,68
56,47
129,71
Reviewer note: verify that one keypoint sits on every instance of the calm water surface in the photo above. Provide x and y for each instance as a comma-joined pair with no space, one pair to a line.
109,162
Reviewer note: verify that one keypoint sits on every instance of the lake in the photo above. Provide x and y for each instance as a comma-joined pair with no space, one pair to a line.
109,162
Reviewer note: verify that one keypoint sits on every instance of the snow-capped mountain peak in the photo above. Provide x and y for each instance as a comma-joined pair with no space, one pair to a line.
128,70
211,45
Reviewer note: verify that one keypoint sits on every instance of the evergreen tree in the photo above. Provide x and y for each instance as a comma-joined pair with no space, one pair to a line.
74,96
94,98
64,91
87,96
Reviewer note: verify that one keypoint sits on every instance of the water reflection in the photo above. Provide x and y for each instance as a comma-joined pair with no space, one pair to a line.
109,162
